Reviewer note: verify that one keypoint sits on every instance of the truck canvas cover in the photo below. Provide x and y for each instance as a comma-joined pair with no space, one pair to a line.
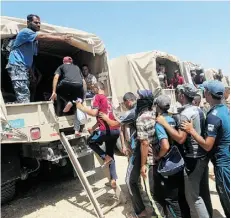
94,54
89,42
137,71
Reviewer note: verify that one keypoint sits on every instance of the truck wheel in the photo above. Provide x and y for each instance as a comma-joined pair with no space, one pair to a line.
7,192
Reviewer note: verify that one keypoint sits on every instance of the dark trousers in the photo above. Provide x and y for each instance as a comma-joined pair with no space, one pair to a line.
110,138
222,176
70,91
193,175
205,193
132,181
157,189
166,193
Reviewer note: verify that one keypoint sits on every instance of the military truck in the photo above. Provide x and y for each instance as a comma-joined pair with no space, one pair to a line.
30,132
209,74
139,71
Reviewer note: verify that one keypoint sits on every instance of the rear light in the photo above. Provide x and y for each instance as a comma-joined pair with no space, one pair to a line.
35,133
9,136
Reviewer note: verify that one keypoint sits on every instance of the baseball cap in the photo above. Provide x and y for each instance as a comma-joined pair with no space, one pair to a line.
67,59
188,89
163,101
215,87
144,93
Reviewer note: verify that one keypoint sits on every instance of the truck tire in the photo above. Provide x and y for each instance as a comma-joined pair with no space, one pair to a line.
7,192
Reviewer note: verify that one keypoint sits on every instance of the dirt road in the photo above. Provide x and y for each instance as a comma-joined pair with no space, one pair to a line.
65,198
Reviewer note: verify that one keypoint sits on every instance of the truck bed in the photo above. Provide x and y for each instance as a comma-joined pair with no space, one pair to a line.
18,120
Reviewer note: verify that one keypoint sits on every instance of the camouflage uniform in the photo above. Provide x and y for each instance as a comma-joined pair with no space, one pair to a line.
19,75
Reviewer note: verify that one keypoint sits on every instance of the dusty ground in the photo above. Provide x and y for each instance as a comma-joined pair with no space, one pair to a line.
65,198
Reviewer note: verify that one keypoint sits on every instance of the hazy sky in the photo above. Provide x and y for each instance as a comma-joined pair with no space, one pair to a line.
193,31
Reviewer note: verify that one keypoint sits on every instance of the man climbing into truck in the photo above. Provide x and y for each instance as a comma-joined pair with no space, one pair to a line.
105,133
70,87
23,49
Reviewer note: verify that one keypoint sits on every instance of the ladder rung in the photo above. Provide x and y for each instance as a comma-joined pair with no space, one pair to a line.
90,173
101,192
73,136
84,153
116,203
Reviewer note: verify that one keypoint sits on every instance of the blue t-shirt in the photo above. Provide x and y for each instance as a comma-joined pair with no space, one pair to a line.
24,48
161,132
217,125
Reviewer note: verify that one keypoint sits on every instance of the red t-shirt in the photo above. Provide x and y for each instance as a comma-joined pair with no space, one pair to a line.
103,105
177,81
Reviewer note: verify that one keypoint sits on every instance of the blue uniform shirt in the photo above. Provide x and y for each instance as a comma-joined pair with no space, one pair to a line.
24,48
217,125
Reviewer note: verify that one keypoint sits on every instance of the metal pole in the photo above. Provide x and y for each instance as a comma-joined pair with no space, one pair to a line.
81,175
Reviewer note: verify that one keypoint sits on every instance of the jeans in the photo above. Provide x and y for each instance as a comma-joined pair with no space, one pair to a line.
222,176
166,193
132,181
110,138
193,174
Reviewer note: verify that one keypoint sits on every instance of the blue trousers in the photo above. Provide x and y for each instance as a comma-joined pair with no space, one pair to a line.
110,139
222,176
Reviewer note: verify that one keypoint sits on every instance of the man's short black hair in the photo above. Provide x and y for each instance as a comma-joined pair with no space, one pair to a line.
30,17
215,97
189,99
85,65
129,96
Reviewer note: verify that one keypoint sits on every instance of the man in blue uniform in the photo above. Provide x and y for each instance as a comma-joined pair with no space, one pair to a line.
21,56
217,139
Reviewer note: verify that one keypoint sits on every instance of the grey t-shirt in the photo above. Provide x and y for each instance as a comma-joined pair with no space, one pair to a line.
192,148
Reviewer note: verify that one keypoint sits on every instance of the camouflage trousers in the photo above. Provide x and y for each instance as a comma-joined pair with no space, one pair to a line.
19,75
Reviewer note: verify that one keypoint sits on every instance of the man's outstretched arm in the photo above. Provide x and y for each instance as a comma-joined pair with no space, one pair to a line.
89,111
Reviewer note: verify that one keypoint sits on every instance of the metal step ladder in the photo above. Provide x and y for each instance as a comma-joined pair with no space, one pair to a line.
73,156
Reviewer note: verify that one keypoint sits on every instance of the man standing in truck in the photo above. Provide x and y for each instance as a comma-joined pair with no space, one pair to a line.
176,80
90,80
20,61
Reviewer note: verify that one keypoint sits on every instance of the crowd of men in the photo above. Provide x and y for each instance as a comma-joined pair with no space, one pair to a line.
198,137
172,150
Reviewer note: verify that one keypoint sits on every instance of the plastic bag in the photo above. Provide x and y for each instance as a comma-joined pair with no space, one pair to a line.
81,116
